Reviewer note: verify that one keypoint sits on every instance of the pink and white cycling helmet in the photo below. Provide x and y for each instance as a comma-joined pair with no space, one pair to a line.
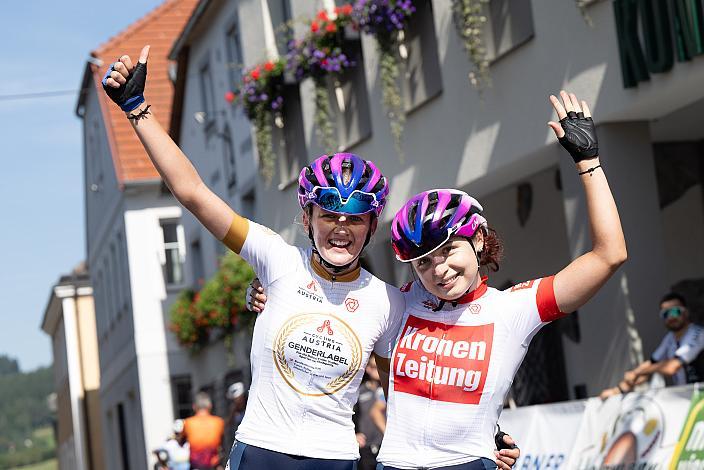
429,219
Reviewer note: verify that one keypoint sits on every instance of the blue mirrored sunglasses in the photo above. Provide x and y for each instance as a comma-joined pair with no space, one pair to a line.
330,199
671,312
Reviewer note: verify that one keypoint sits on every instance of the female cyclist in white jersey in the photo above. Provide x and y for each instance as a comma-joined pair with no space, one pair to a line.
460,342
326,314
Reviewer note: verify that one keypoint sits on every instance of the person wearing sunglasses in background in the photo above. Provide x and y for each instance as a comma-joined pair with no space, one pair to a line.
677,357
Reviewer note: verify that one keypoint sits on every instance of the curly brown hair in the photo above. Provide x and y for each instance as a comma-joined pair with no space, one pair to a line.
493,250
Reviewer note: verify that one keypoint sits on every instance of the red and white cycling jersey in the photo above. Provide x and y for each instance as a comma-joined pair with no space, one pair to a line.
452,369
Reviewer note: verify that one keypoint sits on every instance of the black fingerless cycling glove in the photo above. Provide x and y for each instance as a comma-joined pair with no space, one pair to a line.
580,136
131,94
499,440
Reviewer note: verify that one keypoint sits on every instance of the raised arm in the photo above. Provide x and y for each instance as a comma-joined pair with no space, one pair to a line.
124,83
581,279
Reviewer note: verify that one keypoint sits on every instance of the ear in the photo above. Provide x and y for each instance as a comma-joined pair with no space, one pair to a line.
478,240
306,219
373,225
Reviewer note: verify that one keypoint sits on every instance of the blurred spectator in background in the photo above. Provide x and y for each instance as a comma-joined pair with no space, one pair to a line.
204,433
370,417
178,449
237,399
677,358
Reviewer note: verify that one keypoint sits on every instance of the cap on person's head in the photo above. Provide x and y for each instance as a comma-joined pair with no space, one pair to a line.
202,401
235,390
178,426
673,296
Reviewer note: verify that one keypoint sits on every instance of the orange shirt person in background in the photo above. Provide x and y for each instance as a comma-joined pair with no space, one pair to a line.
204,433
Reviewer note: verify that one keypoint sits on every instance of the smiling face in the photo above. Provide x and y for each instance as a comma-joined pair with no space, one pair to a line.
451,270
339,238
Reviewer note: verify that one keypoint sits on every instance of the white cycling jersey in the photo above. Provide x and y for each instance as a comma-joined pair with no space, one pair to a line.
310,347
686,349
452,369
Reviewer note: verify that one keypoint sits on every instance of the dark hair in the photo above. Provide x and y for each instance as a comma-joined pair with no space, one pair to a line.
493,250
673,296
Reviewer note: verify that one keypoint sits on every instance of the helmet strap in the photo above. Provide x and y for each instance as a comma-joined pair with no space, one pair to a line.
325,263
442,302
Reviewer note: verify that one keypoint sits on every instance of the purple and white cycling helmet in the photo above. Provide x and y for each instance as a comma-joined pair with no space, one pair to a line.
431,218
343,183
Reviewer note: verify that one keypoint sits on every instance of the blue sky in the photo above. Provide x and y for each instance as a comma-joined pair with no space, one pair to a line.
44,48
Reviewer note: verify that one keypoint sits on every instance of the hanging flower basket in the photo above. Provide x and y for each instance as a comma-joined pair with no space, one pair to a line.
386,20
217,310
321,54
261,96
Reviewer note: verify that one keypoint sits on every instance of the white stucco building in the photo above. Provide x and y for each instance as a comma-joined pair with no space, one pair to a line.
496,146
135,247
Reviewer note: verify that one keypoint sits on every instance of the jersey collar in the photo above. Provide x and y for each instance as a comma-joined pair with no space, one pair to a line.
473,295
323,273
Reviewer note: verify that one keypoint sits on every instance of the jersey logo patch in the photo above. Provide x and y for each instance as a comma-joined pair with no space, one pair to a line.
309,291
475,308
351,304
443,362
406,287
430,305
523,285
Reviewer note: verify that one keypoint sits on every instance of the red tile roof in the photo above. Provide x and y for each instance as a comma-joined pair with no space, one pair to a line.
159,28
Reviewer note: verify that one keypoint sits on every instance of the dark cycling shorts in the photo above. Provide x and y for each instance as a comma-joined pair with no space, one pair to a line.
481,464
246,457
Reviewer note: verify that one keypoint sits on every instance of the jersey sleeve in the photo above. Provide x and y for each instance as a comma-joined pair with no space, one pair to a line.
384,346
659,353
268,254
692,345
532,305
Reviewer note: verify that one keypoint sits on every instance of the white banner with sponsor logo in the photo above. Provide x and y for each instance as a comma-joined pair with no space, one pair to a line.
545,433
633,431
637,430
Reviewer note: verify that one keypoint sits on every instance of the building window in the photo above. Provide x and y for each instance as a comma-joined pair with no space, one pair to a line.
422,80
229,158
233,49
509,25
349,100
207,97
182,399
290,139
248,204
280,12
174,252
196,258
122,436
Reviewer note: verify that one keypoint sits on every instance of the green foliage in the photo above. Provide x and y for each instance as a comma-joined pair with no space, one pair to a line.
222,298
51,464
23,409
469,22
8,365
219,307
185,321
324,129
391,97
38,455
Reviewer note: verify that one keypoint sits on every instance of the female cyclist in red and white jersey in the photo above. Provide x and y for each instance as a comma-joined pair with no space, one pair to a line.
326,315
461,342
